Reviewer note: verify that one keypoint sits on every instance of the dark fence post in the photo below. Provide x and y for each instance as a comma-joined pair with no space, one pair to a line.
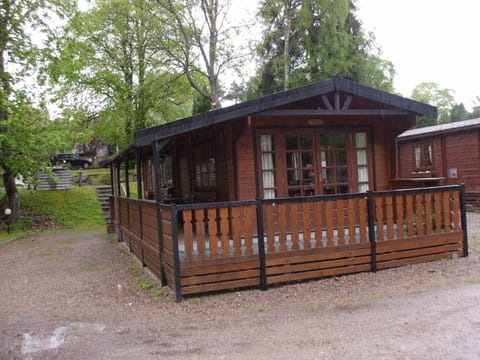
112,181
119,180
127,200
261,245
140,221
158,201
127,178
163,279
463,212
371,229
176,256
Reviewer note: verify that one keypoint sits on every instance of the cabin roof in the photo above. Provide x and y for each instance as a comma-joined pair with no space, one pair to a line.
439,129
264,104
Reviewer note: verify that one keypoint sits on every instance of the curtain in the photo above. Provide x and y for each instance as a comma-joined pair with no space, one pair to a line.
267,166
362,161
418,154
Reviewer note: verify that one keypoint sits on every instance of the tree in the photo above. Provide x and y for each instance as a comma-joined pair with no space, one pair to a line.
458,112
443,99
313,40
24,142
199,42
113,74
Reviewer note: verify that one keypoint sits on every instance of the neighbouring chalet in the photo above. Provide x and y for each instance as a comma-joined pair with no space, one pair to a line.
442,154
292,186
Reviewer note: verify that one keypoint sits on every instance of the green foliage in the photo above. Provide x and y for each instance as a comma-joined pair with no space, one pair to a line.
146,283
25,134
443,99
28,143
199,41
112,73
431,93
306,41
459,113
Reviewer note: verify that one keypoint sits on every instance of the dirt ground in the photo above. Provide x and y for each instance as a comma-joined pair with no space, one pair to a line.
78,296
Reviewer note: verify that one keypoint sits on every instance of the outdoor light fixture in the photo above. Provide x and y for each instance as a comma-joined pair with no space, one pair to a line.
7,213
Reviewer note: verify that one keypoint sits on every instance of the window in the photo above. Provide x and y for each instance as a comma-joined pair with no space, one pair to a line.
362,161
268,167
205,169
423,156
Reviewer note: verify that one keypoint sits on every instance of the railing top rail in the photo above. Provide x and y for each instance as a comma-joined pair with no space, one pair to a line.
223,204
136,200
214,205
419,190
314,198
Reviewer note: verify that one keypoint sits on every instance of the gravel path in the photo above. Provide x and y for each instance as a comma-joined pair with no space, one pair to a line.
78,296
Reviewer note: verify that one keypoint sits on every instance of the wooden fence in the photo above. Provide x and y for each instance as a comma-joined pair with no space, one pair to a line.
198,248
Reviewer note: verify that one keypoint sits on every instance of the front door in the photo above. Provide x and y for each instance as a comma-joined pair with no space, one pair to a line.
317,161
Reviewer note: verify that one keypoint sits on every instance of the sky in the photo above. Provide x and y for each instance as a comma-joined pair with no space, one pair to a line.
428,41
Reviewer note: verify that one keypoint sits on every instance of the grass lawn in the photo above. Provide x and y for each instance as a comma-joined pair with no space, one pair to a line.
76,209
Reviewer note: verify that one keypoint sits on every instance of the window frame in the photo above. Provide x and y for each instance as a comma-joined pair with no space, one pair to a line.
420,163
204,167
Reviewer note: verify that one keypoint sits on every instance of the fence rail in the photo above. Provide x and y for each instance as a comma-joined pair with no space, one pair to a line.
199,248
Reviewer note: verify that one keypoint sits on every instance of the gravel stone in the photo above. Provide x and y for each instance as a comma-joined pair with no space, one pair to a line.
77,296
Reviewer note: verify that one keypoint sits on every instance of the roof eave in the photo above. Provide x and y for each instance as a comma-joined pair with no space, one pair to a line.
147,136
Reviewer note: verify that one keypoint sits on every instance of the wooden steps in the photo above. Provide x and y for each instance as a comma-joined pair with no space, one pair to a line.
103,194
62,180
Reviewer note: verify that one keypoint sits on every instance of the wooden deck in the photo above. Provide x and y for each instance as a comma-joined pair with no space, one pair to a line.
199,248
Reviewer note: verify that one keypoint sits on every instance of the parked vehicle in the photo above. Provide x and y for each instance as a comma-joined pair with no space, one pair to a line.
74,160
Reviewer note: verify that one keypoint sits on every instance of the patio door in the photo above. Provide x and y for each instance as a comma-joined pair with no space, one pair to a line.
300,164
334,161
305,162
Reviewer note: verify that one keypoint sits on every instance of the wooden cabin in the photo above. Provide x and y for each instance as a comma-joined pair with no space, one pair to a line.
292,186
446,154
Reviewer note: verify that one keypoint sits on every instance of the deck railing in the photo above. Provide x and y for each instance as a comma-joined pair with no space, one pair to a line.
217,246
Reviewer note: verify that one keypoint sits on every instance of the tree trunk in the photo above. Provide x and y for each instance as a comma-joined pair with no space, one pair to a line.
12,193
286,47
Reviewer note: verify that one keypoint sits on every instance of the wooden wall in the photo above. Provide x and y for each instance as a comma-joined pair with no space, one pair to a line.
235,159
459,150
462,152
245,165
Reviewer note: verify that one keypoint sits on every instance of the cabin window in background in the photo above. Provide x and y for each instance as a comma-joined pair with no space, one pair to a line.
423,156
268,167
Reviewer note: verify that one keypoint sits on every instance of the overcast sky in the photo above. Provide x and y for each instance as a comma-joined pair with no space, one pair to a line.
429,41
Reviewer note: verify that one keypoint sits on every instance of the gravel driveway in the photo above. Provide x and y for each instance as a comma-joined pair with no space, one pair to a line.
79,296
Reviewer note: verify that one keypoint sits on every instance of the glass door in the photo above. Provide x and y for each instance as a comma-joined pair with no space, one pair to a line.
300,165
333,160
